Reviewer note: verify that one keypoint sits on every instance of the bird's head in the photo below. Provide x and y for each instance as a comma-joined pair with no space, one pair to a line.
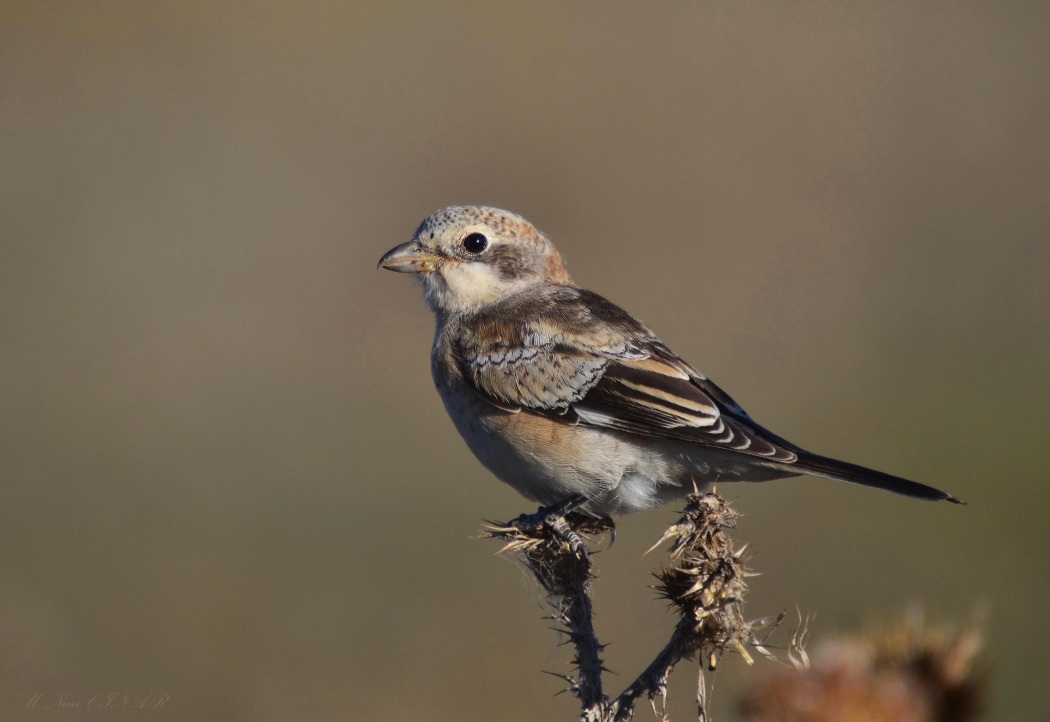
468,257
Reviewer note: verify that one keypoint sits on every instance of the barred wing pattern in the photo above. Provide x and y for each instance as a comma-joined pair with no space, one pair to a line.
579,358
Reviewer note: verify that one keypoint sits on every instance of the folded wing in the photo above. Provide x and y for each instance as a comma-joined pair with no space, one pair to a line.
574,356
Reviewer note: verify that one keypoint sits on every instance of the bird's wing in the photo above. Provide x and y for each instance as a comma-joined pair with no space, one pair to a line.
572,355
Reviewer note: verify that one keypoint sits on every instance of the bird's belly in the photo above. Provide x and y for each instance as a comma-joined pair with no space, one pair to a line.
548,461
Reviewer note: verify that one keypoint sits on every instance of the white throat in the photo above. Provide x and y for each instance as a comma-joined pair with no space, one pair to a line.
468,287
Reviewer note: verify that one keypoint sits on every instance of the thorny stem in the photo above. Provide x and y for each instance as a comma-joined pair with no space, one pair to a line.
575,614
565,572
653,681
704,582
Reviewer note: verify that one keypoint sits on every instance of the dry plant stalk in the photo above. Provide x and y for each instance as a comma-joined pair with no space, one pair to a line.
704,582
564,570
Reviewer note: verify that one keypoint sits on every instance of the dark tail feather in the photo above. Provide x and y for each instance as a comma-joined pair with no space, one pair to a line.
844,471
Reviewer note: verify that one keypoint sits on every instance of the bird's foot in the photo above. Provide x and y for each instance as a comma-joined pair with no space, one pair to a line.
561,529
562,521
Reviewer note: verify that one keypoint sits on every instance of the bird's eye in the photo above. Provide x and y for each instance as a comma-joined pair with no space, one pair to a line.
475,243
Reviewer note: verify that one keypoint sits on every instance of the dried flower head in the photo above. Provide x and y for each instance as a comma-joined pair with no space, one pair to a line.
909,673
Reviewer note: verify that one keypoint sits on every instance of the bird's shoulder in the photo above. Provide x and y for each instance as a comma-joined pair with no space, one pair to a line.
546,348
565,317
541,349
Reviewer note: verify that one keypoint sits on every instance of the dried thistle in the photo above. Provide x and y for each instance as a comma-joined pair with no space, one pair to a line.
552,549
909,673
704,583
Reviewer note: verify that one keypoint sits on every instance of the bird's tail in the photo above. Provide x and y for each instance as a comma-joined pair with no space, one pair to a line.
844,471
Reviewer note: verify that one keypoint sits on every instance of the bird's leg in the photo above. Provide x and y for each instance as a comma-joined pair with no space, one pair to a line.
545,513
553,517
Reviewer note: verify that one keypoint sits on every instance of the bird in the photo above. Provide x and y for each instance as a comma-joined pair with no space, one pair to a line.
570,399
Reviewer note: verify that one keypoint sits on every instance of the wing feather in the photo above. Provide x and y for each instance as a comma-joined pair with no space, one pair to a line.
573,355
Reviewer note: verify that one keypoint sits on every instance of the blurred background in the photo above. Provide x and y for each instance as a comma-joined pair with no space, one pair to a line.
226,475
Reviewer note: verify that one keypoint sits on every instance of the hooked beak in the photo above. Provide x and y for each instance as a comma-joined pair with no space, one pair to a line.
409,258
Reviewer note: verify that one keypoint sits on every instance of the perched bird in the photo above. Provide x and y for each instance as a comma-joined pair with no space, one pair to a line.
564,395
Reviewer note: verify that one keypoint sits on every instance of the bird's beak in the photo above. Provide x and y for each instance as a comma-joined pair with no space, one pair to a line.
409,258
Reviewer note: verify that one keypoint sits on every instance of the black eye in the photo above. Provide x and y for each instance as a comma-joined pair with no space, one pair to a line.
475,243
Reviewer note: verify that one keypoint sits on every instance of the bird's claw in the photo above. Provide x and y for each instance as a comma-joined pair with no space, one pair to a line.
552,518
563,531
